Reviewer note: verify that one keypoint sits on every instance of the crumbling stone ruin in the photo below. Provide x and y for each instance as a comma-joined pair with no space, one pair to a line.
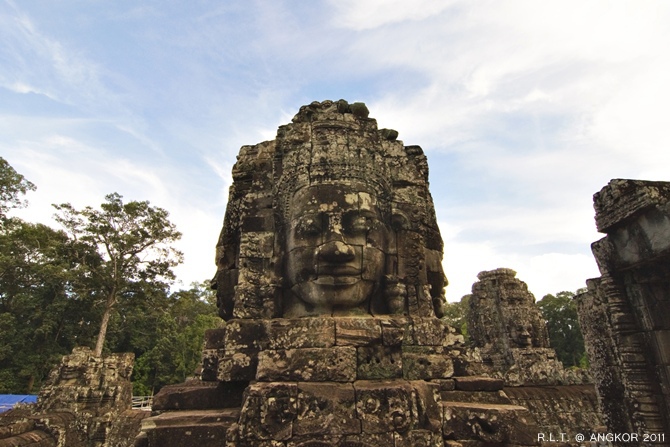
509,333
509,338
86,403
625,314
330,280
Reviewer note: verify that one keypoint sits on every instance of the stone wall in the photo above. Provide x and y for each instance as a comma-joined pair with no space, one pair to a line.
568,409
625,314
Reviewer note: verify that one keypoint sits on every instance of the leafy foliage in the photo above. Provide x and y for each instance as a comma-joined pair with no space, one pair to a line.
455,314
565,336
12,186
41,317
55,284
176,353
131,243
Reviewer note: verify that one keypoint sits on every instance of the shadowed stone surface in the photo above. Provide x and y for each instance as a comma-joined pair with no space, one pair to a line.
333,217
625,314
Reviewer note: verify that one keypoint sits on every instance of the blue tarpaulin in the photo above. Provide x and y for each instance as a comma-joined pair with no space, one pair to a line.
7,401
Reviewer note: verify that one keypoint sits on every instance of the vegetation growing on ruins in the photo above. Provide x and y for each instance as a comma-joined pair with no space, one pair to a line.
565,336
455,313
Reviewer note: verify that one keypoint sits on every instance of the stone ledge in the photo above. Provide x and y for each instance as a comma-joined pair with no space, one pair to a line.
499,424
199,396
197,428
478,383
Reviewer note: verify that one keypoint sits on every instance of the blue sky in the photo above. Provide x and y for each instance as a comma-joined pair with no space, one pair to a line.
524,108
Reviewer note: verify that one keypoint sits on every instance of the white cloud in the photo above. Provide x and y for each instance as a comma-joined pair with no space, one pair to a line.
544,274
557,272
375,13
200,230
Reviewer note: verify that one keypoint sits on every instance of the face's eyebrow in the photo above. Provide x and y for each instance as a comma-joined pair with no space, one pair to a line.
361,212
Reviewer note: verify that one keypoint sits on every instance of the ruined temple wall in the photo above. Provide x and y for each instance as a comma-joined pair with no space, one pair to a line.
601,351
85,403
511,342
300,363
625,313
566,409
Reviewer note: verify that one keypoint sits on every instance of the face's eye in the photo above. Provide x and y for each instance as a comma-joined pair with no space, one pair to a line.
308,226
358,224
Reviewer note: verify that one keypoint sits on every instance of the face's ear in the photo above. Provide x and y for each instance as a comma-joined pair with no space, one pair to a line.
399,221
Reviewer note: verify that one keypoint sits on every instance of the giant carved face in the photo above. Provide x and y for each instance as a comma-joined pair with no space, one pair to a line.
335,249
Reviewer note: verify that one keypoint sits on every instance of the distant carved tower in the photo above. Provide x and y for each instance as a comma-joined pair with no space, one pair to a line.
507,327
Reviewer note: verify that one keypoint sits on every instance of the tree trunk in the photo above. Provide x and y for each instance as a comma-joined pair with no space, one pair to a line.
104,323
31,383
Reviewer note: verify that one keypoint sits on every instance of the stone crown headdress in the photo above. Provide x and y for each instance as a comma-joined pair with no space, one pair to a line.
331,142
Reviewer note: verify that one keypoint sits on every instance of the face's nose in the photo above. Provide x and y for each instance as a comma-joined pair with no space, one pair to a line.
336,252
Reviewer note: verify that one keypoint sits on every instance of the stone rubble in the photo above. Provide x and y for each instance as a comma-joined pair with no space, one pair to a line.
86,402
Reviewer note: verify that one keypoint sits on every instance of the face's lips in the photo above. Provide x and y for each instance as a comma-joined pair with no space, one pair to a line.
337,275
335,281
338,270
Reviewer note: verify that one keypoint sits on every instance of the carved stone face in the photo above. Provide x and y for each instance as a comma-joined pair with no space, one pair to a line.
522,335
335,249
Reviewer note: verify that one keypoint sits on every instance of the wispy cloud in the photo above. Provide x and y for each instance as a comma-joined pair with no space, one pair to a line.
375,13
38,63
540,103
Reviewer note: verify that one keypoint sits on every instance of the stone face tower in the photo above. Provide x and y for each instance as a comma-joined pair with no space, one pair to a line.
502,313
510,334
334,217
329,278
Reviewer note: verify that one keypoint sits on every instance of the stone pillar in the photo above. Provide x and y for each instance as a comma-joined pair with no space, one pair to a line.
625,314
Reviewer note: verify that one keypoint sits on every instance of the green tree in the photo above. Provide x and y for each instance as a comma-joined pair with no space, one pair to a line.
53,289
12,186
41,318
565,336
34,302
133,246
455,314
177,350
